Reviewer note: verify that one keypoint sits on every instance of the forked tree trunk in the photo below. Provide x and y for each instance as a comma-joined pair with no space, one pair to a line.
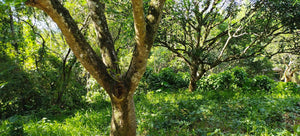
123,121
105,69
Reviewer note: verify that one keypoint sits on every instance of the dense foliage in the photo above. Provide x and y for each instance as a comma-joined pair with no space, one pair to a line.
35,74
236,79
246,89
166,79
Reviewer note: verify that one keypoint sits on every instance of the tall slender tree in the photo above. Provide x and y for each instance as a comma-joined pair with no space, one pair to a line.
105,69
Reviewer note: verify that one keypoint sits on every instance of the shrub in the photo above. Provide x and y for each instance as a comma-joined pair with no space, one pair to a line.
240,76
287,87
226,80
235,80
262,82
170,79
15,126
17,92
167,78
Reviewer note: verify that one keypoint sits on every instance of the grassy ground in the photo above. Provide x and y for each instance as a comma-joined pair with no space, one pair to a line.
172,113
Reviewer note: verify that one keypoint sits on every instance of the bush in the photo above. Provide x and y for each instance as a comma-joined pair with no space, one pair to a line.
17,92
170,79
236,80
15,126
262,82
240,76
219,81
287,87
227,80
167,78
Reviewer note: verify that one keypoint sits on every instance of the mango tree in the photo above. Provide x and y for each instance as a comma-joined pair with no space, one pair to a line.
105,69
205,34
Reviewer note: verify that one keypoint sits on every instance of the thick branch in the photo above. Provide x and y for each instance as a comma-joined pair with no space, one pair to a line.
78,44
139,22
145,33
108,52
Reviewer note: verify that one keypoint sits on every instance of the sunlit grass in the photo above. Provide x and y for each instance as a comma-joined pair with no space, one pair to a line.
178,113
82,123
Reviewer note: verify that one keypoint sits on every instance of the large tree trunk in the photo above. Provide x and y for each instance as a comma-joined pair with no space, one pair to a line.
123,121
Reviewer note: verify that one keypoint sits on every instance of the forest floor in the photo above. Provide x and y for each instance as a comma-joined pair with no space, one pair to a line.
174,113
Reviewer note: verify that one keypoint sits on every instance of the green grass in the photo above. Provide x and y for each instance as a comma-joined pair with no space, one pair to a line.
176,113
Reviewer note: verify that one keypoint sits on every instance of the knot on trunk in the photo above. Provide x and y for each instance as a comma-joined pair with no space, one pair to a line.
119,92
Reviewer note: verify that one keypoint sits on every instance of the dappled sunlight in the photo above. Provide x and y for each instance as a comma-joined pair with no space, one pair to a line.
149,68
81,123
181,112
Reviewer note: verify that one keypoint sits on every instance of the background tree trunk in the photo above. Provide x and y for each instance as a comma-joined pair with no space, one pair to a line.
196,74
192,85
193,78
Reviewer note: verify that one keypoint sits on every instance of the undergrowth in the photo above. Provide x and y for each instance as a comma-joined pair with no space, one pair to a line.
228,103
176,113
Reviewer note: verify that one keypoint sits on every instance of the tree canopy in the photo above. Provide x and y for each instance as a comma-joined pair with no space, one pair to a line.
208,33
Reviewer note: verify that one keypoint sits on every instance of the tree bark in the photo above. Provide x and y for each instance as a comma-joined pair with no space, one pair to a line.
193,78
192,84
105,39
123,121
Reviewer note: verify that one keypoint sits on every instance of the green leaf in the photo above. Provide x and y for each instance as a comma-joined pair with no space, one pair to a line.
3,84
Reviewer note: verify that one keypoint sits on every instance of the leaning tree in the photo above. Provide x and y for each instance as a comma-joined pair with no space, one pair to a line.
208,33
105,69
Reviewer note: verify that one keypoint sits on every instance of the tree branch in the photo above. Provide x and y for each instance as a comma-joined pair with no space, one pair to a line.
105,39
76,41
145,32
176,51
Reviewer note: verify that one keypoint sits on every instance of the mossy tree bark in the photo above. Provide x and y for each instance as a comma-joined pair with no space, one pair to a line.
119,86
